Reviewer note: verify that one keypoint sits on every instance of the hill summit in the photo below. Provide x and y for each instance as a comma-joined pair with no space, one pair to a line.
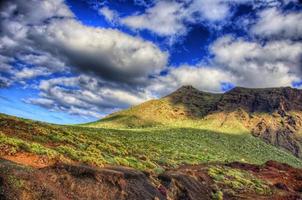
272,114
194,104
220,145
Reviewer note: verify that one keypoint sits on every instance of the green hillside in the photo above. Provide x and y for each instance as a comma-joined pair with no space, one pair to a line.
271,114
183,107
152,149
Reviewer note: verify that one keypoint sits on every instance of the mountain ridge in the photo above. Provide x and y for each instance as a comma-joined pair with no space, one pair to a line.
230,146
250,99
272,114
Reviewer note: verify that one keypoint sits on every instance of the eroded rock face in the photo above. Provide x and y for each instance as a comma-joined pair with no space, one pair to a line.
266,100
262,100
272,114
197,103
199,182
279,130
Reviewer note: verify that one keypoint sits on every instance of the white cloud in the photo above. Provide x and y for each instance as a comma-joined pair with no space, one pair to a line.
201,77
110,15
28,73
47,103
4,64
48,39
271,65
43,59
35,12
212,10
275,23
170,18
238,61
165,18
108,53
85,95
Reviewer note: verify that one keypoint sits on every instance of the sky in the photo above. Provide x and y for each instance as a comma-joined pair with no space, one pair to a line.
76,61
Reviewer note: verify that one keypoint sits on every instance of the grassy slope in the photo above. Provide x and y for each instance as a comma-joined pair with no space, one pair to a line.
170,110
147,149
139,116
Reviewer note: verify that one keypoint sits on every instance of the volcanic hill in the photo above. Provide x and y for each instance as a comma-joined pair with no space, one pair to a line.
243,144
272,114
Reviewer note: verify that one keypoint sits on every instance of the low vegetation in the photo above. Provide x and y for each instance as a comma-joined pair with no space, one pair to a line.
152,149
237,180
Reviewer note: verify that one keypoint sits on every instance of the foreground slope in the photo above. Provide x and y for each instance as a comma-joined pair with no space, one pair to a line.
152,149
272,114
200,182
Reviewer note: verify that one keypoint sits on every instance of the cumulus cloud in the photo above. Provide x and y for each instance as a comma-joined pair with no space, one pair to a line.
43,10
212,10
171,18
273,64
4,64
45,60
107,53
275,23
202,77
165,18
84,95
110,15
27,73
240,62
41,38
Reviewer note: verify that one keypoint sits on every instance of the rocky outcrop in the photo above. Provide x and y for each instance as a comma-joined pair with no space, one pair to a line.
272,114
266,100
199,182
280,130
197,103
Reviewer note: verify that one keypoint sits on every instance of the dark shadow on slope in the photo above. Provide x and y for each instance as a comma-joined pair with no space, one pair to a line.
266,100
197,103
281,130
129,121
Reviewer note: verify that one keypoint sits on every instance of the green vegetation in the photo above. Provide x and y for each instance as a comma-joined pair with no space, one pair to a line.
12,145
146,148
15,182
238,180
217,195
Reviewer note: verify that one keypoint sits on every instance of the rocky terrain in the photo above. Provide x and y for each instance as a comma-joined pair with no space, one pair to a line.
185,146
198,182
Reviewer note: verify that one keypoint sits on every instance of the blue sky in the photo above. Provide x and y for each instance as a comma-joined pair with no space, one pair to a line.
75,61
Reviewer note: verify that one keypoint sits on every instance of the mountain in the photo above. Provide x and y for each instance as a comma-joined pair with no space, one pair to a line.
243,144
272,114
46,161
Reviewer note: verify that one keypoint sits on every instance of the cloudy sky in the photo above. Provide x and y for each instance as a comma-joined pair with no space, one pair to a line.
76,61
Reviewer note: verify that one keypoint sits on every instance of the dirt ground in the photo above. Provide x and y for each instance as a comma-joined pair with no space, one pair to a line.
30,178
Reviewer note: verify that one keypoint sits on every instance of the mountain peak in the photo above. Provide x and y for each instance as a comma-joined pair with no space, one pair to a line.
187,88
